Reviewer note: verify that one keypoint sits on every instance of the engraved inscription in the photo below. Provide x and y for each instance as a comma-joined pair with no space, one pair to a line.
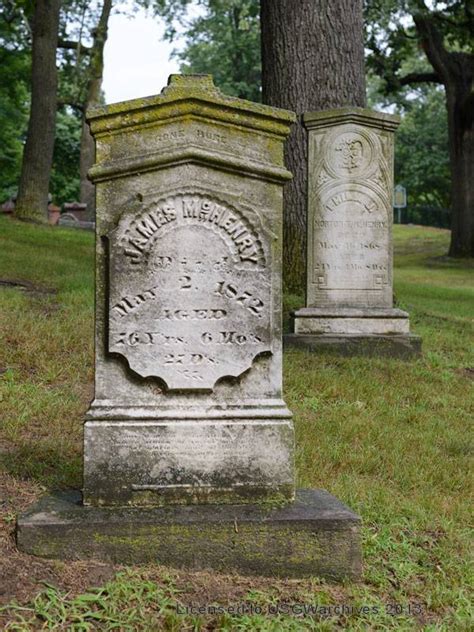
199,453
172,135
190,298
365,203
188,210
204,134
349,251
246,299
208,447
350,254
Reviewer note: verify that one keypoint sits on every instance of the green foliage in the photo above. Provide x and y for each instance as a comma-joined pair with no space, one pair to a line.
391,36
421,151
78,18
401,75
14,108
64,184
222,38
14,97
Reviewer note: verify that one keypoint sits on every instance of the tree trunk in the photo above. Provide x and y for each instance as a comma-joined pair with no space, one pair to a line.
96,69
456,71
460,105
312,59
32,200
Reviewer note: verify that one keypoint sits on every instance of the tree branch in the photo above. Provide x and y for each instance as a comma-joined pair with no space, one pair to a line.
432,44
420,77
71,45
72,104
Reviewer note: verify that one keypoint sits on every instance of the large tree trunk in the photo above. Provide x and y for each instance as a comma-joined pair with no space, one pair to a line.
312,59
460,105
32,200
96,69
456,72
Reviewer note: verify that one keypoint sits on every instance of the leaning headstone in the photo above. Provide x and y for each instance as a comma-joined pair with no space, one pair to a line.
349,289
188,444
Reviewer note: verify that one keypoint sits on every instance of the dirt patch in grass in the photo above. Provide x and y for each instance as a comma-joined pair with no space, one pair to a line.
23,576
208,587
467,371
27,286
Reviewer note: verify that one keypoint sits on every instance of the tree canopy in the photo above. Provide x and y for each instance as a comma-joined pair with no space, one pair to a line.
415,50
413,43
76,38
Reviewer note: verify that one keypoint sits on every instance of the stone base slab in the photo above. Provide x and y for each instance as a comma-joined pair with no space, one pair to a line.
352,326
160,462
348,321
401,346
316,535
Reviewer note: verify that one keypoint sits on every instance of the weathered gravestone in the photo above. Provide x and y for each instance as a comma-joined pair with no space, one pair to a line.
188,445
349,289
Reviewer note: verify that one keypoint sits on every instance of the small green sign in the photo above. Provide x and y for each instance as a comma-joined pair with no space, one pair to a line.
400,197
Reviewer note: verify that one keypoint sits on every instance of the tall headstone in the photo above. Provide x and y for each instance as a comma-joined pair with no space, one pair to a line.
349,288
188,444
188,404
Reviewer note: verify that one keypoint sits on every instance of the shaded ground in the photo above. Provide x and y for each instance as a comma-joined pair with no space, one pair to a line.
22,576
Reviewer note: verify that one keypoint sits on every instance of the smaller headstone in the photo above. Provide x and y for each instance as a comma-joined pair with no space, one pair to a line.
8,207
349,298
70,220
77,209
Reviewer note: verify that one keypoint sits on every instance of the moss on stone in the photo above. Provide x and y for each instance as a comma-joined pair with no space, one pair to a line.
190,94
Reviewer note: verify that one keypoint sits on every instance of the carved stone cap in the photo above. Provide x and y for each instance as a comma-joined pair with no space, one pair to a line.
189,95
362,116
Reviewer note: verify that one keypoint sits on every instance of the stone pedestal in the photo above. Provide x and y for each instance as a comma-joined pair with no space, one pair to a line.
188,416
349,292
188,405
314,535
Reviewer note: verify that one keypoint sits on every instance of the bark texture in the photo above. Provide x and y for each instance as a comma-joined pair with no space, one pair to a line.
32,200
96,68
312,59
455,70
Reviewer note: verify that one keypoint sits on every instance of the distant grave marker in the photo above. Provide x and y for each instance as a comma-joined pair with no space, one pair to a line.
349,289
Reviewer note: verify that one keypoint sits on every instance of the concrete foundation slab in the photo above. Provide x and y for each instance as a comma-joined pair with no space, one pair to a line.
316,535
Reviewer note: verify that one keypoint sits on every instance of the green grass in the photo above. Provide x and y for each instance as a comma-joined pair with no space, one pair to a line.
391,439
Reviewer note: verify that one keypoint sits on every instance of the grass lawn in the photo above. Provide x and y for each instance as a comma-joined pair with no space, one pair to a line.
392,439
